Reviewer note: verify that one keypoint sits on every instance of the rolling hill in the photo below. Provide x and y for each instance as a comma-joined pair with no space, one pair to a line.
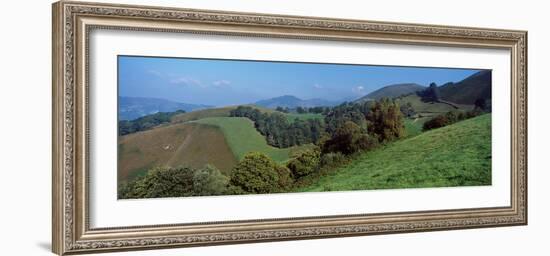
392,91
290,101
134,107
454,155
212,112
195,139
188,144
242,137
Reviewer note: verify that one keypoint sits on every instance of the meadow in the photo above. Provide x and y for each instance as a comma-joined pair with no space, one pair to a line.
455,155
243,138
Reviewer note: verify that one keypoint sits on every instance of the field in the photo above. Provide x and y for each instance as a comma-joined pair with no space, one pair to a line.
455,155
190,144
413,126
195,139
242,138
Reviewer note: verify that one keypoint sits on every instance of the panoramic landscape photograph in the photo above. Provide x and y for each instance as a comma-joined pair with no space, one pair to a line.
213,127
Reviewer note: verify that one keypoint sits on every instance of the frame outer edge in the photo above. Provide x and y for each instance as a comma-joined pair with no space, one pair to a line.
57,246
65,239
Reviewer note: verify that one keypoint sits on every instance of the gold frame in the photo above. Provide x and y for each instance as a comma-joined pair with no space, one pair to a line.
72,22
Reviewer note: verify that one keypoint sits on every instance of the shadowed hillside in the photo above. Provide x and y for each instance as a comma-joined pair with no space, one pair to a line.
467,91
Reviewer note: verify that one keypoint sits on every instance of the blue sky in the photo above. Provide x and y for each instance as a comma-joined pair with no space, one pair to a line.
231,82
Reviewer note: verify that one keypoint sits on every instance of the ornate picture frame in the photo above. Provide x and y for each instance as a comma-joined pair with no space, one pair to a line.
72,23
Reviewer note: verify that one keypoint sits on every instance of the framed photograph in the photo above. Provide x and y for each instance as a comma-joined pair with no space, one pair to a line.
179,127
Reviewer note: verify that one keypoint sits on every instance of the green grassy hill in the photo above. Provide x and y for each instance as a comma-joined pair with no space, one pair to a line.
242,138
392,91
456,155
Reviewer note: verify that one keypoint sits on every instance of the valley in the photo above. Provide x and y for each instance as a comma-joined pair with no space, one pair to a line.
378,141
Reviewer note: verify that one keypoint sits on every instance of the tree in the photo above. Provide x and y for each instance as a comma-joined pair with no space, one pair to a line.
161,182
386,120
176,182
278,130
146,122
300,110
347,139
408,110
209,181
285,178
305,162
256,173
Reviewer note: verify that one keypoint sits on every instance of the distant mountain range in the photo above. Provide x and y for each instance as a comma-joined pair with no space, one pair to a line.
289,101
392,91
130,108
467,91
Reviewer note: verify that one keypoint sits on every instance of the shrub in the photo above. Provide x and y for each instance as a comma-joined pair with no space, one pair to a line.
161,182
386,121
436,122
304,162
448,118
209,181
285,178
332,159
176,182
256,173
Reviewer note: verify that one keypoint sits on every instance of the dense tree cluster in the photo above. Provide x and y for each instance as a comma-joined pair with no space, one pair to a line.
176,182
145,122
354,112
448,118
256,173
280,132
318,110
282,110
349,138
355,127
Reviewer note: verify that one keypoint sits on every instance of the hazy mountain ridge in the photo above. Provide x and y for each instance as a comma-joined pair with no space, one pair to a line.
130,108
290,101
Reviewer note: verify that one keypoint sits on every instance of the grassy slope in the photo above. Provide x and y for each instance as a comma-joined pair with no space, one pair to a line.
456,155
413,127
187,144
428,108
242,137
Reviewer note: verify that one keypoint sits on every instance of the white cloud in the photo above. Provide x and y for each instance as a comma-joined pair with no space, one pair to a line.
317,86
186,81
221,83
155,73
358,89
